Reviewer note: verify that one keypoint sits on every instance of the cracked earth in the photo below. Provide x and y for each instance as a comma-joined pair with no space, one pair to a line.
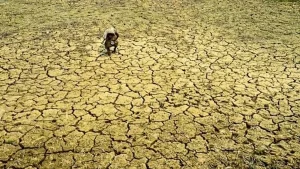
196,84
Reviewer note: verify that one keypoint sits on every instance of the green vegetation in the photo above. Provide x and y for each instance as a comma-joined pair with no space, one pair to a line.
251,161
285,0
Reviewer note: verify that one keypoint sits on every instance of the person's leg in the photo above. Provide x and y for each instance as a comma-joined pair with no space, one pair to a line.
115,46
107,46
107,43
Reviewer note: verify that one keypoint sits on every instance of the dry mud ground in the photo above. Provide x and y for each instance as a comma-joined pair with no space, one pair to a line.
196,84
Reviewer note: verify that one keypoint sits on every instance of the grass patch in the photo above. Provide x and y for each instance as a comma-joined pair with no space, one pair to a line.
256,160
9,141
284,0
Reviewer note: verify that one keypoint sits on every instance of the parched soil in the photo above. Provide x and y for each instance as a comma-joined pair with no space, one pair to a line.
195,84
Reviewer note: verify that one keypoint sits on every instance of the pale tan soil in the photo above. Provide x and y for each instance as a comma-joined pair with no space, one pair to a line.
195,85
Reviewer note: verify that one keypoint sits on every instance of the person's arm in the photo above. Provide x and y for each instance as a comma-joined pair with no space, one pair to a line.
117,35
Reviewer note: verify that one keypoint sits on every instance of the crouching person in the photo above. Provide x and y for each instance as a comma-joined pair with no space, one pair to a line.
110,39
